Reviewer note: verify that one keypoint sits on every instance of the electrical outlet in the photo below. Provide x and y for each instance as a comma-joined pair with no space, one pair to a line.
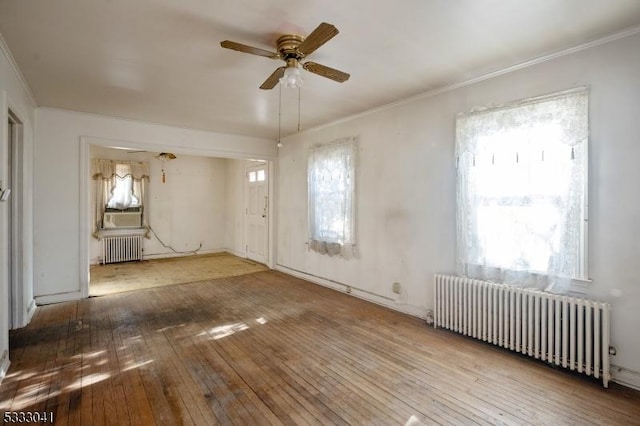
396,288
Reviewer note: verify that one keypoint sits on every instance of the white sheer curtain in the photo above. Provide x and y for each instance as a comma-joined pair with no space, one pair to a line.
331,183
521,188
133,176
123,194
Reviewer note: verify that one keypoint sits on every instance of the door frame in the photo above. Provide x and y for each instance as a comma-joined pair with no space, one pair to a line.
245,184
20,304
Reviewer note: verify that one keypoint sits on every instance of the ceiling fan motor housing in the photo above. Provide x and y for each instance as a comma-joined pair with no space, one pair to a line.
288,47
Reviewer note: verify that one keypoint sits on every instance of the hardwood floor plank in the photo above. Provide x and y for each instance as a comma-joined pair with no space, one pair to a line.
267,348
124,336
347,375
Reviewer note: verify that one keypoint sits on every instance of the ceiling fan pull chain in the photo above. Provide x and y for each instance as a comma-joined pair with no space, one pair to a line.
299,90
279,116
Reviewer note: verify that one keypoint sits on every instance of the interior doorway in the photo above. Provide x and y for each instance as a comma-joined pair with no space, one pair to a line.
14,221
8,185
256,212
217,233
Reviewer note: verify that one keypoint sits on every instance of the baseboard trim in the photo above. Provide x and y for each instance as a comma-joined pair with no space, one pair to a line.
58,298
4,364
387,302
625,377
414,311
236,253
30,311
170,255
97,261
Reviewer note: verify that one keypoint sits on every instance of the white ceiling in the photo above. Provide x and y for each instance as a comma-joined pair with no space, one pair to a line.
161,60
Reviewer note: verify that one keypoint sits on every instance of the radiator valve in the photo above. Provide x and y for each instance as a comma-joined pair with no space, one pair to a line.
429,317
612,351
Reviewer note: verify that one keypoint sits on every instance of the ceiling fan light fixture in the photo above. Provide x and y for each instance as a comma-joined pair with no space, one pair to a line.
292,78
292,48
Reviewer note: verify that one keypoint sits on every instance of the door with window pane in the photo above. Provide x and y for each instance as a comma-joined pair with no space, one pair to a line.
256,209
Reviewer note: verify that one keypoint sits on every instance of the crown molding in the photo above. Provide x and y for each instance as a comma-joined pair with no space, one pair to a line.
25,86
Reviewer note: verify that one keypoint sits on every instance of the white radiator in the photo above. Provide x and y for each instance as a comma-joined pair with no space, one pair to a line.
121,248
561,330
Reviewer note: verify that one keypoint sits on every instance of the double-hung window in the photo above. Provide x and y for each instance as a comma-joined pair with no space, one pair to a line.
331,197
521,191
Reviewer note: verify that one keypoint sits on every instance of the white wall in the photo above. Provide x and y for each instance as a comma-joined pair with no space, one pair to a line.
406,188
57,182
185,211
15,97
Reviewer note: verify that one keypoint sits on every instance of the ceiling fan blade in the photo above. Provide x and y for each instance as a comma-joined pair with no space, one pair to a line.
326,71
273,79
227,44
322,34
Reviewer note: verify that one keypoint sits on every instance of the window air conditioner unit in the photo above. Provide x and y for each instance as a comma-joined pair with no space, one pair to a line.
131,218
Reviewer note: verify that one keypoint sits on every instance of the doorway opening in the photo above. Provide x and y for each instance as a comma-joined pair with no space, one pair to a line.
14,221
199,210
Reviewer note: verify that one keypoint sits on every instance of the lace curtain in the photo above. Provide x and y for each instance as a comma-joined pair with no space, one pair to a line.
133,176
123,193
331,184
521,185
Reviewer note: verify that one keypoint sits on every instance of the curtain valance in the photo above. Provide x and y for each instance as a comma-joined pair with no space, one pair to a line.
563,115
107,169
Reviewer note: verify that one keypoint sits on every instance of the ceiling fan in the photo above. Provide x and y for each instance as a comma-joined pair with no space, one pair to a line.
293,49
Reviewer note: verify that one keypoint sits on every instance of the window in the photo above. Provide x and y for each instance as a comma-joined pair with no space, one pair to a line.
331,185
257,176
122,194
118,185
521,187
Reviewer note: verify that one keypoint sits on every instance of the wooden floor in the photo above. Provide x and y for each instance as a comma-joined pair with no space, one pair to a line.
266,348
130,276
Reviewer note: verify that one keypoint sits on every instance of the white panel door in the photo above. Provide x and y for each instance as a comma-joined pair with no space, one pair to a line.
257,207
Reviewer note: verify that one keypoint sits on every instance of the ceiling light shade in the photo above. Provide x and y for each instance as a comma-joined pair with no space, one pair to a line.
291,78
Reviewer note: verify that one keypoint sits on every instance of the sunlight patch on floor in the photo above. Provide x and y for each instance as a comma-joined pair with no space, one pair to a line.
225,330
136,365
87,380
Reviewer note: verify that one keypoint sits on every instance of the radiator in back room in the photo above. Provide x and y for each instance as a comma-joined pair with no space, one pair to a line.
121,248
